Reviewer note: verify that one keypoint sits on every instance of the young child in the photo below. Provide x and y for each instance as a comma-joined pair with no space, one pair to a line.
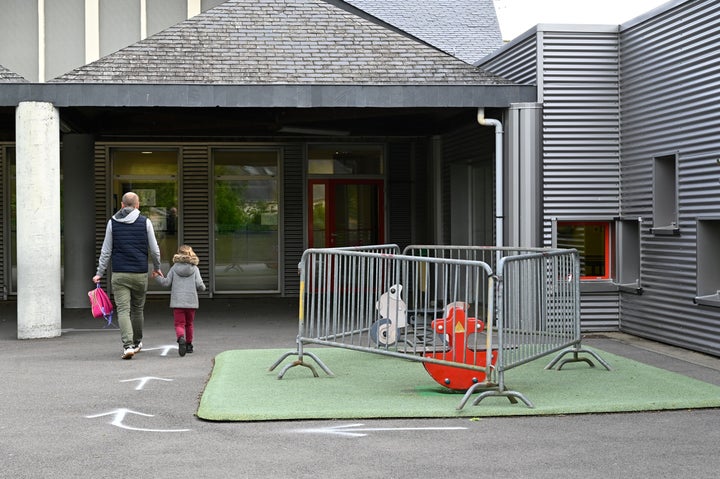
185,279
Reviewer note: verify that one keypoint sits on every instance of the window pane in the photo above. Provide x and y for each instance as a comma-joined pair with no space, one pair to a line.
591,241
10,153
246,220
318,216
345,160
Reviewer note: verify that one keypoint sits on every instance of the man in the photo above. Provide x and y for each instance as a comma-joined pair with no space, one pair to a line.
129,238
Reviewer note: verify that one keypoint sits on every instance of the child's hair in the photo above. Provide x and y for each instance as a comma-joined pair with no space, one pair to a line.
186,254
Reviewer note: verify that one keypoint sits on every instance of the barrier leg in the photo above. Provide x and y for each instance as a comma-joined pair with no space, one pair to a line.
575,351
513,396
300,362
471,390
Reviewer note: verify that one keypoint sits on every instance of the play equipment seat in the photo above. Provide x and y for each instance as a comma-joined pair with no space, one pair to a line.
458,328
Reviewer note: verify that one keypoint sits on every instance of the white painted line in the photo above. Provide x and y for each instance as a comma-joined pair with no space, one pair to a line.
356,430
165,349
119,415
142,381
83,330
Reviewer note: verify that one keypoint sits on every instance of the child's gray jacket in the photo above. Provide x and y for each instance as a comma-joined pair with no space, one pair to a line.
185,279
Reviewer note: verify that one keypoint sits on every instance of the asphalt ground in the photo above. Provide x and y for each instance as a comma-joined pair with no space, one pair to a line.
71,408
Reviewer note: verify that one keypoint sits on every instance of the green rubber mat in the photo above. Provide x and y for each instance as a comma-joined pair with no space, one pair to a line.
365,386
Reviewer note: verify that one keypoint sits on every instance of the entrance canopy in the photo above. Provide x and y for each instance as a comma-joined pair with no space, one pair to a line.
231,111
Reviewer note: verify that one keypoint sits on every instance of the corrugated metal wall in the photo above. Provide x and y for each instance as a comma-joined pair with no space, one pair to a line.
577,77
473,144
399,194
4,250
517,62
670,88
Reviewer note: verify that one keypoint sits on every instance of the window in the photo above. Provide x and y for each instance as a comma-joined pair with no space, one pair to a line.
592,240
665,195
708,262
628,254
246,207
345,160
10,280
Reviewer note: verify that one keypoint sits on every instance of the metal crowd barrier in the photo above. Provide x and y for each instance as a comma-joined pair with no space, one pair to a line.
468,314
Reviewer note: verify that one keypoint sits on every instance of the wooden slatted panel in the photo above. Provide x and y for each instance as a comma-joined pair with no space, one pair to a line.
103,205
293,228
4,280
195,214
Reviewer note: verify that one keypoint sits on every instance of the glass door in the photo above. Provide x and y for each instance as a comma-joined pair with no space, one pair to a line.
345,195
152,174
345,213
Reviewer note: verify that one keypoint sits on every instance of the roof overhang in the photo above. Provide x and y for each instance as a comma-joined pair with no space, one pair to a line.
266,96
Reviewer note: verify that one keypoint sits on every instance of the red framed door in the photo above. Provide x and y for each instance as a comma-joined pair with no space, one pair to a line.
344,212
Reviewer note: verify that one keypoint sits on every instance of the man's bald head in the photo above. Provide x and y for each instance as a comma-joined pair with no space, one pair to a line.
131,199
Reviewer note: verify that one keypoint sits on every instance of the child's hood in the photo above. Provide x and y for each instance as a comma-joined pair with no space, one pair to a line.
184,269
185,264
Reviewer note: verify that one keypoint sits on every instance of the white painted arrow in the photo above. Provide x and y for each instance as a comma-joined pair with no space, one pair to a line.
165,349
356,430
119,415
143,381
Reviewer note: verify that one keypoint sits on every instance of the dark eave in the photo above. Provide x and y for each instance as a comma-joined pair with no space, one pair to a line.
266,96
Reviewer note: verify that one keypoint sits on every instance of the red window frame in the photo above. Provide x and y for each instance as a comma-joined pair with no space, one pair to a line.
605,262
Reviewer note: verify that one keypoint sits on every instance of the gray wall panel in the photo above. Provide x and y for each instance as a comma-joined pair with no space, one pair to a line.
119,24
578,84
580,94
670,86
19,34
518,63
64,36
162,14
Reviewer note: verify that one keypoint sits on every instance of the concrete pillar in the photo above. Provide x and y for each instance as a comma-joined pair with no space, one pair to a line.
39,301
78,219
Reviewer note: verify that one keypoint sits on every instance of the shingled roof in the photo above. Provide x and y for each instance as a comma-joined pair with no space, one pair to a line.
7,76
466,29
245,42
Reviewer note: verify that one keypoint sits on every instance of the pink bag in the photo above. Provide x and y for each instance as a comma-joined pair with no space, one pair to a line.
100,304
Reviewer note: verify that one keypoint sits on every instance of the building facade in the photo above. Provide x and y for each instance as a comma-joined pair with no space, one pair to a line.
629,155
252,131
256,129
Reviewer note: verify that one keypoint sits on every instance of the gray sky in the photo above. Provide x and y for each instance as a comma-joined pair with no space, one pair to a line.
517,16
